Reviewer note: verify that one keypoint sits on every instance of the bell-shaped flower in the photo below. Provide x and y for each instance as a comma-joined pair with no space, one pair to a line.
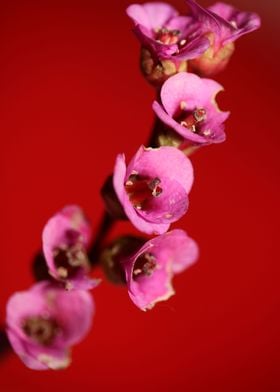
153,189
188,107
66,237
150,270
222,24
44,322
167,39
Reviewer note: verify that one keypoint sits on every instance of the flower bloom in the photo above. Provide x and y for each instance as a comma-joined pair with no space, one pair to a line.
167,39
153,189
66,237
149,271
222,24
188,107
45,321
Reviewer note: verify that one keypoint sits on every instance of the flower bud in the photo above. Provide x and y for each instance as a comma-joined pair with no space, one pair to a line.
157,71
111,201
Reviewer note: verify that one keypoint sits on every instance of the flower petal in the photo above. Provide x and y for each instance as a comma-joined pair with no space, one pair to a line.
151,15
173,164
243,22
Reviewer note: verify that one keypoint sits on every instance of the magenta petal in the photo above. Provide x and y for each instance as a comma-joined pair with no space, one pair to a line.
225,11
36,359
173,164
142,224
179,88
119,176
188,88
181,23
209,22
183,249
226,22
193,49
170,207
151,15
242,22
74,311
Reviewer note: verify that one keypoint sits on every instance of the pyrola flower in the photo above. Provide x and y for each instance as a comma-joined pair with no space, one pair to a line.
149,271
167,39
222,24
188,107
153,189
45,321
66,237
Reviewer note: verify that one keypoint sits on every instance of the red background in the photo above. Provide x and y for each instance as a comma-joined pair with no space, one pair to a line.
71,98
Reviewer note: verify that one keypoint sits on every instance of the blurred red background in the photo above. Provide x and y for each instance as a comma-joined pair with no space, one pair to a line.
71,98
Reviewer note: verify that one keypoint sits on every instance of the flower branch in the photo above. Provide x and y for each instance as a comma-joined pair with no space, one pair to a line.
178,55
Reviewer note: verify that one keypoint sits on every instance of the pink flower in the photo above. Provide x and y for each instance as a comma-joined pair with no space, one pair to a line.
167,39
45,321
153,189
149,271
222,24
188,107
66,238
160,28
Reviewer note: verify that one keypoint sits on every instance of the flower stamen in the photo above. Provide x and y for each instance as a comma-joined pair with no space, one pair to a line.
166,36
41,330
192,120
69,258
145,265
141,190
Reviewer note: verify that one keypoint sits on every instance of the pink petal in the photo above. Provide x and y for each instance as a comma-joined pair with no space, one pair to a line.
151,15
173,164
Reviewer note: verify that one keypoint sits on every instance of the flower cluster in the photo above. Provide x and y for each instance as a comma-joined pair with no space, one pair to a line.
200,41
178,52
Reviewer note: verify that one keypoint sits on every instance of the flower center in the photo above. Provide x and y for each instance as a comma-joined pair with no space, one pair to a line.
41,330
140,190
69,258
191,120
144,265
166,36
